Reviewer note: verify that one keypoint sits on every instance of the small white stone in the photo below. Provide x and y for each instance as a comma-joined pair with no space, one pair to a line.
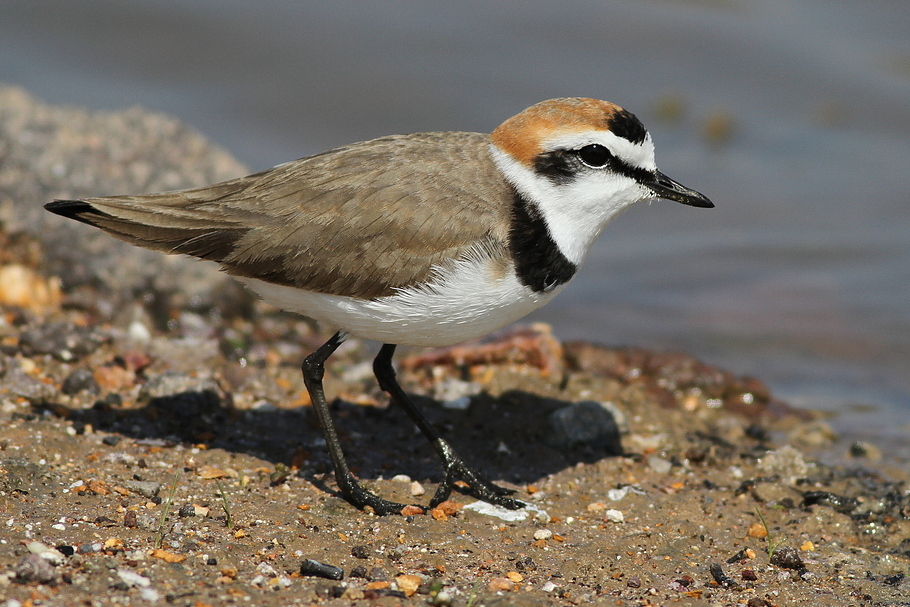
543,534
614,495
150,594
133,579
417,489
457,404
138,331
401,478
510,516
615,516
659,464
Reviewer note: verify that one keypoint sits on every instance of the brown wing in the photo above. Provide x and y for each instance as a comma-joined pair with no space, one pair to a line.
361,220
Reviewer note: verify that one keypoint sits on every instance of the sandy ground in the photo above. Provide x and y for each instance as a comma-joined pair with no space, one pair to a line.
157,445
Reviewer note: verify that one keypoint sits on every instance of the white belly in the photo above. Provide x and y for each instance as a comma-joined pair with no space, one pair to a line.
465,302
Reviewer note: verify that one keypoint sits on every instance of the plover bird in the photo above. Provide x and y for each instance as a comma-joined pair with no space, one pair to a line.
427,239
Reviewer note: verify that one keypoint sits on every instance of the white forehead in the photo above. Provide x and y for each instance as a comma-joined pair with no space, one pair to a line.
635,154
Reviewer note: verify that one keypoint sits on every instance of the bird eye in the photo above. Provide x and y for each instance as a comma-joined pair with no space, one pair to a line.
594,155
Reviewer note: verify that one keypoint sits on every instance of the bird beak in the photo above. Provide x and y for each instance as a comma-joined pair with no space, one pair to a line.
664,187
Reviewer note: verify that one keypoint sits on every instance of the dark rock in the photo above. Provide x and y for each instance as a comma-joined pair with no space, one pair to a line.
585,423
317,569
111,440
359,572
894,580
788,557
80,380
740,556
722,579
186,510
361,552
862,449
841,503
64,341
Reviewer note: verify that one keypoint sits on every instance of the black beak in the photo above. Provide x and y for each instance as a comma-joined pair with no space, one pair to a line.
664,187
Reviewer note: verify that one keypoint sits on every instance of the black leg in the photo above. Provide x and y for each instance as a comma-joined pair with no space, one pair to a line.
313,370
455,468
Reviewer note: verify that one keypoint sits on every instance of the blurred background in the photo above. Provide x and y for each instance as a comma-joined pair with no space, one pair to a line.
792,115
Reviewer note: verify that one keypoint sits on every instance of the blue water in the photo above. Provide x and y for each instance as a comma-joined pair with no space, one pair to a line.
800,276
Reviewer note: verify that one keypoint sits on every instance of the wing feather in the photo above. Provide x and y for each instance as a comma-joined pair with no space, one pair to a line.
363,220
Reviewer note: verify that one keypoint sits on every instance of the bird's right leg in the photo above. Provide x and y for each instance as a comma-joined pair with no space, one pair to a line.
313,371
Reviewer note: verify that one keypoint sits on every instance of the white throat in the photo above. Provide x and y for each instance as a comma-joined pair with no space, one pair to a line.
575,213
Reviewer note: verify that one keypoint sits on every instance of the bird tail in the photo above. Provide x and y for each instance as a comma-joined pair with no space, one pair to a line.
169,223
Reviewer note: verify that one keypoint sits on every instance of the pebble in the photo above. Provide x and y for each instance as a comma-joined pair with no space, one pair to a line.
543,534
585,423
34,568
63,340
509,516
80,380
812,435
171,383
614,495
456,393
23,287
786,462
133,579
659,464
417,489
862,449
52,555
788,557
17,382
315,568
615,516
148,489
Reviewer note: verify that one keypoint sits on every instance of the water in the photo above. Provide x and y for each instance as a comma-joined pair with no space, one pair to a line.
801,274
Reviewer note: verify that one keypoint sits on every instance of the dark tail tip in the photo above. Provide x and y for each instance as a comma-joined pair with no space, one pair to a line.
69,208
75,209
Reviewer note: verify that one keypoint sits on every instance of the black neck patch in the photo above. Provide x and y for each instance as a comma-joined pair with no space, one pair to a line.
539,264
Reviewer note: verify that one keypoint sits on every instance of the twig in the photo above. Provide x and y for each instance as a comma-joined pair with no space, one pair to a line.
224,503
167,511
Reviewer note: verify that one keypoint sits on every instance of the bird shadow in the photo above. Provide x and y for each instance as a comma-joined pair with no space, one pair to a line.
506,438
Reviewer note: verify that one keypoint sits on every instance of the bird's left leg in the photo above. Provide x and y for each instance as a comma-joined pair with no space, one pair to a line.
454,467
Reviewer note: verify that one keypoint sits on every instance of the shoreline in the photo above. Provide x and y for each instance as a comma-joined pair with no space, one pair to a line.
128,377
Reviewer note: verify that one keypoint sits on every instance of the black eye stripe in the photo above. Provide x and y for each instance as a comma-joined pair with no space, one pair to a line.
562,166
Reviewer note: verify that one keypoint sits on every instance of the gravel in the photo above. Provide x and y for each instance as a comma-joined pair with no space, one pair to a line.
142,372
